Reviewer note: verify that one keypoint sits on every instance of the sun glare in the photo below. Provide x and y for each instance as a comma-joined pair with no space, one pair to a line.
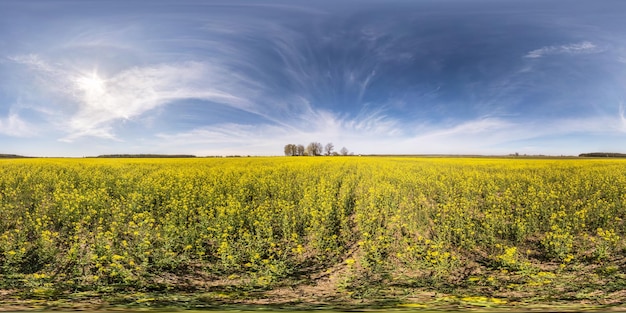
91,84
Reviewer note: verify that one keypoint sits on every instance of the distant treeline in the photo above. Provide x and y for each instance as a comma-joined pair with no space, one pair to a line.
146,156
602,155
11,156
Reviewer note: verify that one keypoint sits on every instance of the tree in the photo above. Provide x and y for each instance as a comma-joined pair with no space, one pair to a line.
314,149
299,150
291,150
343,151
329,148
318,148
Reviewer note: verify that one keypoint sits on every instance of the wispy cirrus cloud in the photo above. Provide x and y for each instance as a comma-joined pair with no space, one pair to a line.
584,47
247,78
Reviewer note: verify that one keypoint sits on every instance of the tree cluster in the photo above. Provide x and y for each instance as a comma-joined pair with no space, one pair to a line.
602,155
314,149
11,156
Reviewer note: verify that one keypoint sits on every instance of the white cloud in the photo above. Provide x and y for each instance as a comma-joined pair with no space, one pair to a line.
366,133
14,126
495,135
136,91
473,127
32,60
584,47
375,133
474,136
590,125
99,102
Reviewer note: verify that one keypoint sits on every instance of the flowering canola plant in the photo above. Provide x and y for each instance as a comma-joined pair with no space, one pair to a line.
79,223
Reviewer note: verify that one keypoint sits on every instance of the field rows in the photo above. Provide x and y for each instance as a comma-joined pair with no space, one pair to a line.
504,227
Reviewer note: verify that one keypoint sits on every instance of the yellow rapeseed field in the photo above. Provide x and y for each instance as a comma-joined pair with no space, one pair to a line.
495,224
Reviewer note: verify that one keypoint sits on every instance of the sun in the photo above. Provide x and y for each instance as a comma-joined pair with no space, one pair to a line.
91,84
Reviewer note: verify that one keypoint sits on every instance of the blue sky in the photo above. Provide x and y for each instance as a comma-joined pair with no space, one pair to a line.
82,78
